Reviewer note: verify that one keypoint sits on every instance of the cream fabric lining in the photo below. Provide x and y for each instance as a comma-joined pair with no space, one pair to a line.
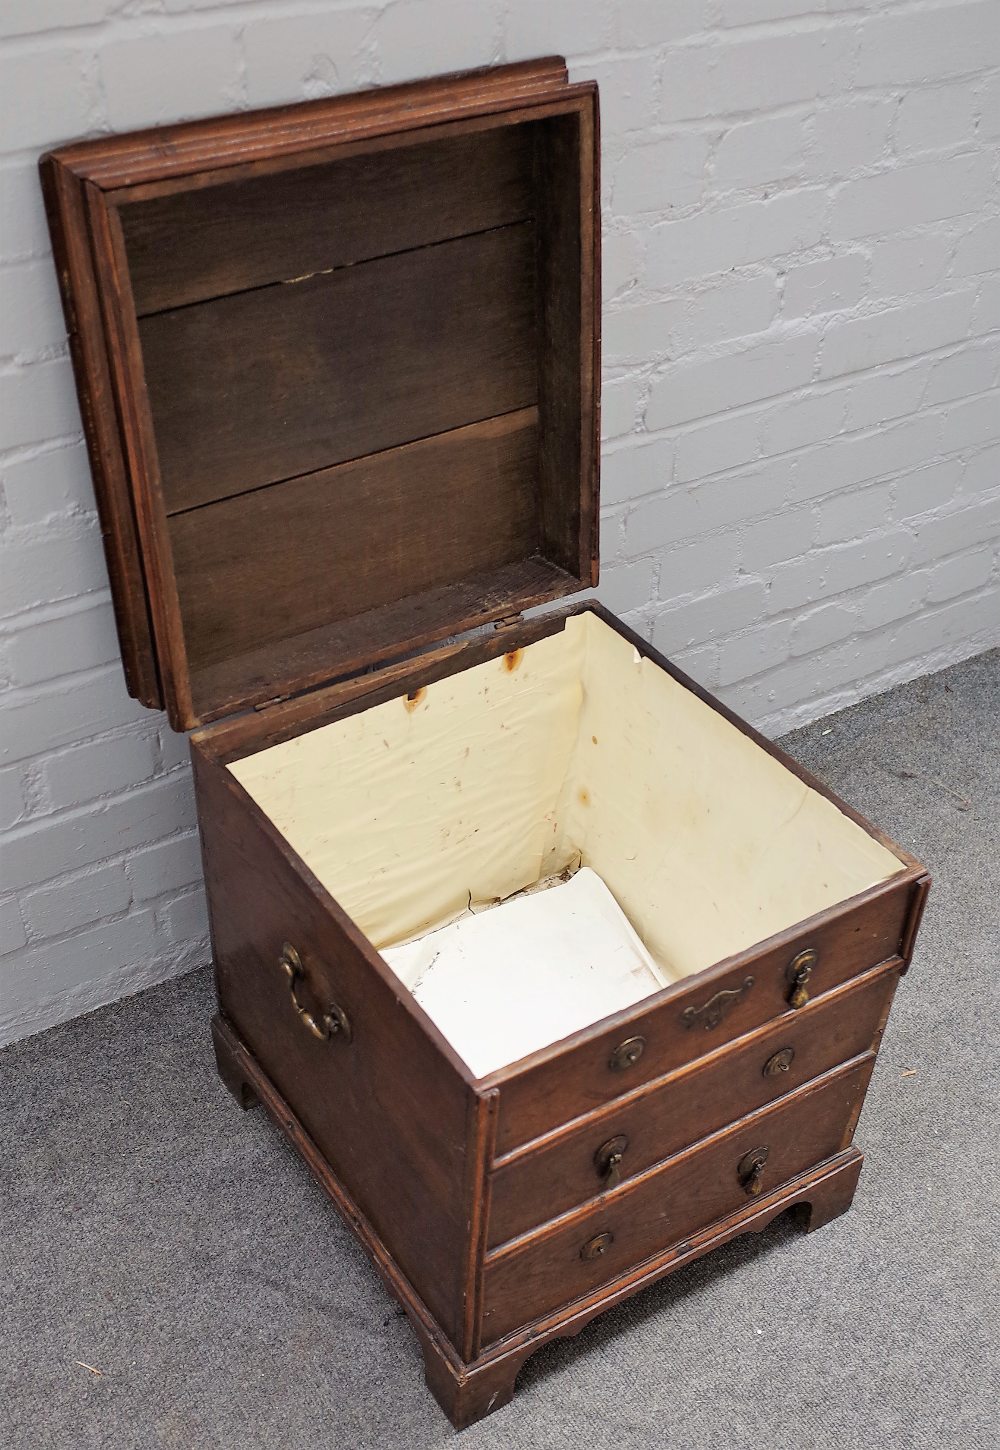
576,748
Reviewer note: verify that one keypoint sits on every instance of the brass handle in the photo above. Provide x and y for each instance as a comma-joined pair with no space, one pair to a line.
626,1054
800,970
779,1063
608,1160
750,1170
598,1245
334,1021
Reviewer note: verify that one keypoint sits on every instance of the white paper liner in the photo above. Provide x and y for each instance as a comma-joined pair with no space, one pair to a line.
503,982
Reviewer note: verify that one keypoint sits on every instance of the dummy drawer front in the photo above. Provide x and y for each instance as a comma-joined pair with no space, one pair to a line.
695,1017
583,1250
567,1168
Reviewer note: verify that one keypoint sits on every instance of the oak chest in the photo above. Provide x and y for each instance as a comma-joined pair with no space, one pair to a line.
338,366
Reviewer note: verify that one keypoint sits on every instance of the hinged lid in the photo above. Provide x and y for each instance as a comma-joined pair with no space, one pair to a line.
338,370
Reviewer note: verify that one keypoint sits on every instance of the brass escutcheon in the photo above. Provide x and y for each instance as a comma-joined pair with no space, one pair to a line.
750,1169
598,1245
799,973
712,1012
779,1063
334,1021
608,1160
626,1054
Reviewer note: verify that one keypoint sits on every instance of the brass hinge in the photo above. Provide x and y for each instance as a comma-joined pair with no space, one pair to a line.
508,621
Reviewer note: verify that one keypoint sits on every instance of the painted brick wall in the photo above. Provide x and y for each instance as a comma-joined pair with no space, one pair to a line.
802,377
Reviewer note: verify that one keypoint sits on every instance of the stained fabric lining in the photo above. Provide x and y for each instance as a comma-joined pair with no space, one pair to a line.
574,749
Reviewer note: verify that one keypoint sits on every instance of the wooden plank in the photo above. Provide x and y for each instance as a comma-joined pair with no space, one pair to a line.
356,537
265,385
194,245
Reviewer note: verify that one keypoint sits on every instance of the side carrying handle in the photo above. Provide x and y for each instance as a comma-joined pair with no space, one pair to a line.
334,1021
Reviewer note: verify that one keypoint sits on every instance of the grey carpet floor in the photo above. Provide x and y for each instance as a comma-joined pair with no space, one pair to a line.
150,1230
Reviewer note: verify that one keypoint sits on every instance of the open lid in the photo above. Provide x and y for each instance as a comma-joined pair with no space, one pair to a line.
338,370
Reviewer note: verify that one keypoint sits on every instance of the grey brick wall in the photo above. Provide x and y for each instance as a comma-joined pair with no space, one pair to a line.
802,375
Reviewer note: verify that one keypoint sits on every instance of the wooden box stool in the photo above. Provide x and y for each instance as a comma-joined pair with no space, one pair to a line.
338,365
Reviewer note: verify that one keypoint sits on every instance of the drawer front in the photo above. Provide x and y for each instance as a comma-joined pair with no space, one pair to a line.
696,1016
594,1246
595,1154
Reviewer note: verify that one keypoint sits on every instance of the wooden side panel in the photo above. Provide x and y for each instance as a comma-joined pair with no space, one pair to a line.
568,337
388,1110
188,246
692,1191
72,251
478,511
279,381
563,1083
665,1116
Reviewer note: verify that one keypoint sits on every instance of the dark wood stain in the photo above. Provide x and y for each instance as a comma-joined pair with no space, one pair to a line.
545,1179
287,291
65,207
265,385
339,372
191,246
161,160
533,1276
529,1147
478,513
566,348
402,1150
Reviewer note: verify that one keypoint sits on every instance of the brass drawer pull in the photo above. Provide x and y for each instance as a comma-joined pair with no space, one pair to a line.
779,1063
608,1160
334,1021
598,1245
711,1013
626,1054
800,970
750,1170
